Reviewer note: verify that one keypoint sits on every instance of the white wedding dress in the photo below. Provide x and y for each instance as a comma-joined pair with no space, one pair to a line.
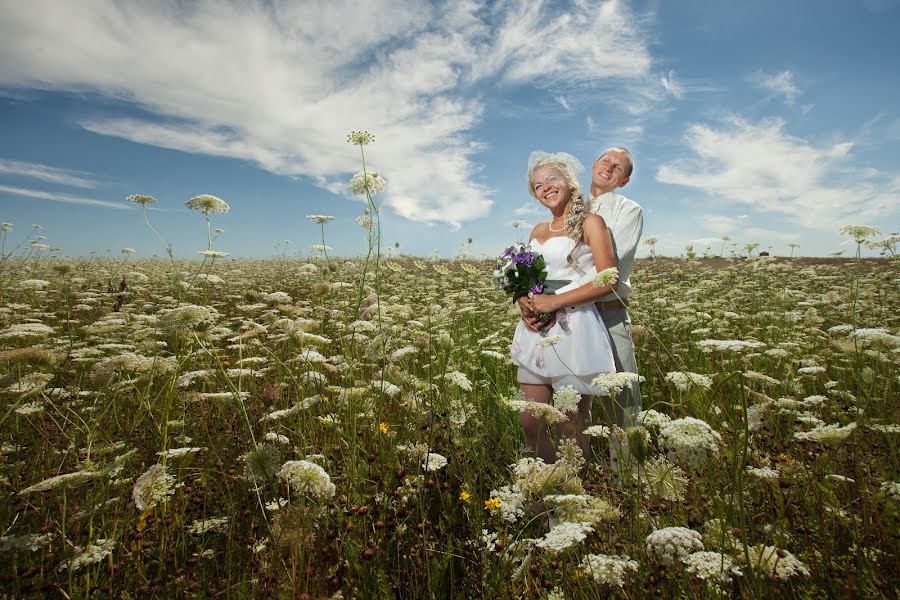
583,349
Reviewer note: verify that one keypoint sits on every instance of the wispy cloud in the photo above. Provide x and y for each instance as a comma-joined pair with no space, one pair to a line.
780,84
530,208
762,169
671,84
46,173
286,90
57,197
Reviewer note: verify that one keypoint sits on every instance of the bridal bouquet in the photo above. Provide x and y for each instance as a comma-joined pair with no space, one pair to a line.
520,272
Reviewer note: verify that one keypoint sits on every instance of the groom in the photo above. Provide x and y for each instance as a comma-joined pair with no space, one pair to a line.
625,220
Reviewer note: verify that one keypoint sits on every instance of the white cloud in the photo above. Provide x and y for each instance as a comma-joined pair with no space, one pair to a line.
762,169
562,102
530,208
46,173
781,84
66,198
719,223
281,83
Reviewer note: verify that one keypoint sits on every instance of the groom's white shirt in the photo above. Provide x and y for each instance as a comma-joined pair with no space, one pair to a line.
625,221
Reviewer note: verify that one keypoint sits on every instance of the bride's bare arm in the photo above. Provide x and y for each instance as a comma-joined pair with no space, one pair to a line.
597,237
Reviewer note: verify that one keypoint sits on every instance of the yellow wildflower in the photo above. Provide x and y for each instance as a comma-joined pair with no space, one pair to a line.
464,496
492,504
384,427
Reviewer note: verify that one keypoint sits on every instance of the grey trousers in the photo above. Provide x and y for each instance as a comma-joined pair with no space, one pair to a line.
624,410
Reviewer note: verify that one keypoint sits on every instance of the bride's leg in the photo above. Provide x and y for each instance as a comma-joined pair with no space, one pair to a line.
577,423
536,436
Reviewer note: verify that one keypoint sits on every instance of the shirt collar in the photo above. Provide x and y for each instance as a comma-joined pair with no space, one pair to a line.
596,201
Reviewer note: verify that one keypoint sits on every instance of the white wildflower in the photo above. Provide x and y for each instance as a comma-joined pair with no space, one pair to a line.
564,536
214,524
673,543
89,555
566,399
366,181
606,277
66,480
728,345
608,569
611,384
207,203
826,434
434,462
684,380
711,566
459,380
689,442
776,563
154,486
307,478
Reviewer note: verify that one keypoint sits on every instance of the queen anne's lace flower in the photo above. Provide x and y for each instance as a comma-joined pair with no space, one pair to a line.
152,487
434,462
689,442
728,345
188,317
673,543
606,277
207,203
367,181
826,434
664,479
564,536
652,420
537,478
711,566
511,502
684,380
361,137
89,555
213,524
141,199
608,569
307,478
776,563
459,380
566,399
66,480
611,384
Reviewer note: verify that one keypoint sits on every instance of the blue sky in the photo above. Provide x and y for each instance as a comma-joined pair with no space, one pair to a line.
769,122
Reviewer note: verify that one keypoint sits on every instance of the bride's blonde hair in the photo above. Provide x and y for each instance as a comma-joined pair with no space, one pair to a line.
568,166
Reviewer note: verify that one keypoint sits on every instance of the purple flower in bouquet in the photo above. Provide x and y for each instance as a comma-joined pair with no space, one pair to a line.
520,272
524,258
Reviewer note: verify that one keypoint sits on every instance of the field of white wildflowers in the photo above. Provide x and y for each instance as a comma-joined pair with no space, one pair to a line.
278,429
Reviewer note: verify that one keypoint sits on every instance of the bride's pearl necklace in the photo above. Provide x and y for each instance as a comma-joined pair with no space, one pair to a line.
550,226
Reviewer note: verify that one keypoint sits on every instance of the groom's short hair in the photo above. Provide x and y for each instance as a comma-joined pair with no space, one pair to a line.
627,153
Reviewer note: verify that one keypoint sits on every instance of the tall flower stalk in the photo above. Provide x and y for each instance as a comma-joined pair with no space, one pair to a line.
366,184
321,220
144,201
206,204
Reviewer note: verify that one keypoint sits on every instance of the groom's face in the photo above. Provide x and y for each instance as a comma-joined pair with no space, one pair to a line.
610,171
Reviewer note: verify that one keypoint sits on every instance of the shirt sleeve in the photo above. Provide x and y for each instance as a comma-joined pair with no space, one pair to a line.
629,227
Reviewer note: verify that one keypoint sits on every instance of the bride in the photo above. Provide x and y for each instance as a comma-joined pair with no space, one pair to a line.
576,245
